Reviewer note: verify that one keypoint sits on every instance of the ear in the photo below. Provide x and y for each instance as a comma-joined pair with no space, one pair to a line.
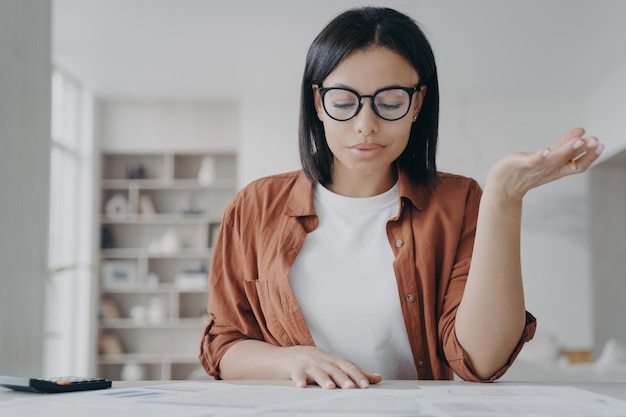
318,103
419,101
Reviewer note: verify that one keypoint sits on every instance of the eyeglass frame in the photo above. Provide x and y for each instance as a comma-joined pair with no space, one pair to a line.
409,90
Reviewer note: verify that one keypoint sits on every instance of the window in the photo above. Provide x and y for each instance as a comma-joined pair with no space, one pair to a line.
68,310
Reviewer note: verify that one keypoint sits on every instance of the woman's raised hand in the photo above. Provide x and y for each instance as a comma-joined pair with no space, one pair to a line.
519,172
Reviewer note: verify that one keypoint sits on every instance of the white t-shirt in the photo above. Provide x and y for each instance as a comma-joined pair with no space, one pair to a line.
345,285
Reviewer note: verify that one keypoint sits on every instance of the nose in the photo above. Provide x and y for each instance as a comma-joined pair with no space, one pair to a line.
366,121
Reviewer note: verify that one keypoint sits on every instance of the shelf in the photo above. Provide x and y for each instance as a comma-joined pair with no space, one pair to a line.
146,254
149,245
139,289
147,289
147,358
191,323
156,184
162,218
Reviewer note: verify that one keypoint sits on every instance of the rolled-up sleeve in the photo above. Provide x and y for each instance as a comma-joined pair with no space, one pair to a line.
452,351
230,314
460,363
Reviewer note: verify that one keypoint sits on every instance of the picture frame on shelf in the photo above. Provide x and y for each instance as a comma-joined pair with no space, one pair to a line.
119,274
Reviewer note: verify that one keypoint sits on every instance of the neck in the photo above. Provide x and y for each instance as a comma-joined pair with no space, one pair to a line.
359,186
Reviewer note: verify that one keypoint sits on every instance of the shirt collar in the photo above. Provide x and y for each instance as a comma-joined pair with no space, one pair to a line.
418,194
300,201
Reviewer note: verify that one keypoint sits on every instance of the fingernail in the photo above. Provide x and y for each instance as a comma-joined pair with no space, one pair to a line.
364,383
545,153
578,144
600,149
591,143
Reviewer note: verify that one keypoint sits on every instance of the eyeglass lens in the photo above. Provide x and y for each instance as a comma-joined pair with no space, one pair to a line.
389,104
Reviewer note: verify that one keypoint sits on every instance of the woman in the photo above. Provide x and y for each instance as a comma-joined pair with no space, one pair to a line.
369,263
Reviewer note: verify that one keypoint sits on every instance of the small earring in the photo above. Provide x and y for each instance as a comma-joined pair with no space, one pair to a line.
415,118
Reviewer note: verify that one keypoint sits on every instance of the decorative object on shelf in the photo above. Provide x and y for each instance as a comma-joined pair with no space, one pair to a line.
116,274
154,247
170,242
156,311
106,238
109,310
138,314
613,354
117,206
206,173
192,208
146,206
110,344
132,371
135,172
153,280
192,280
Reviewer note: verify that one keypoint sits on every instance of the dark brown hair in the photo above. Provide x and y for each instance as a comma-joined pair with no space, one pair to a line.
359,29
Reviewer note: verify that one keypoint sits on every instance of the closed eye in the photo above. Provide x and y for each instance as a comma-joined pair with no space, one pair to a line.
389,106
345,105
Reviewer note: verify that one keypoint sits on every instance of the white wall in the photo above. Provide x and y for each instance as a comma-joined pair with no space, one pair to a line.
269,137
145,125
606,111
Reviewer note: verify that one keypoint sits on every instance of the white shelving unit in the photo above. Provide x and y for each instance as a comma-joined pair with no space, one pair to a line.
158,223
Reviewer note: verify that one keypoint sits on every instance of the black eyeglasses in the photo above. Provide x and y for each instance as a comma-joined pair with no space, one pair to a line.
390,103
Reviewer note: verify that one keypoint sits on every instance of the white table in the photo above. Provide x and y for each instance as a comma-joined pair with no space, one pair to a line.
70,404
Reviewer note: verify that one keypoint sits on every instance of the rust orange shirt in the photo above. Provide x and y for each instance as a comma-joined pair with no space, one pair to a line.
264,228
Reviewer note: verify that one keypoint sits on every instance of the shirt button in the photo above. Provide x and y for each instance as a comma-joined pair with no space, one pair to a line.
410,298
420,362
399,243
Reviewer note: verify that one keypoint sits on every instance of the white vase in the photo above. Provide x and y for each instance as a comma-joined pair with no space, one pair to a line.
116,206
169,242
138,314
206,174
156,311
133,372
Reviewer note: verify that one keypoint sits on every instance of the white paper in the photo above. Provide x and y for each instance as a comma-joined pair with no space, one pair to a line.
206,399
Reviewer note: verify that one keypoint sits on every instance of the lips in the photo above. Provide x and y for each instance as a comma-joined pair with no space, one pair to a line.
366,150
366,146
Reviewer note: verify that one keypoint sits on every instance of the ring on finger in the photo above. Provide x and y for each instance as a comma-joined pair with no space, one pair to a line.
572,164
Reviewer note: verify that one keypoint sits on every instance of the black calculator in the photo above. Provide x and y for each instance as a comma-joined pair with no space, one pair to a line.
54,385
